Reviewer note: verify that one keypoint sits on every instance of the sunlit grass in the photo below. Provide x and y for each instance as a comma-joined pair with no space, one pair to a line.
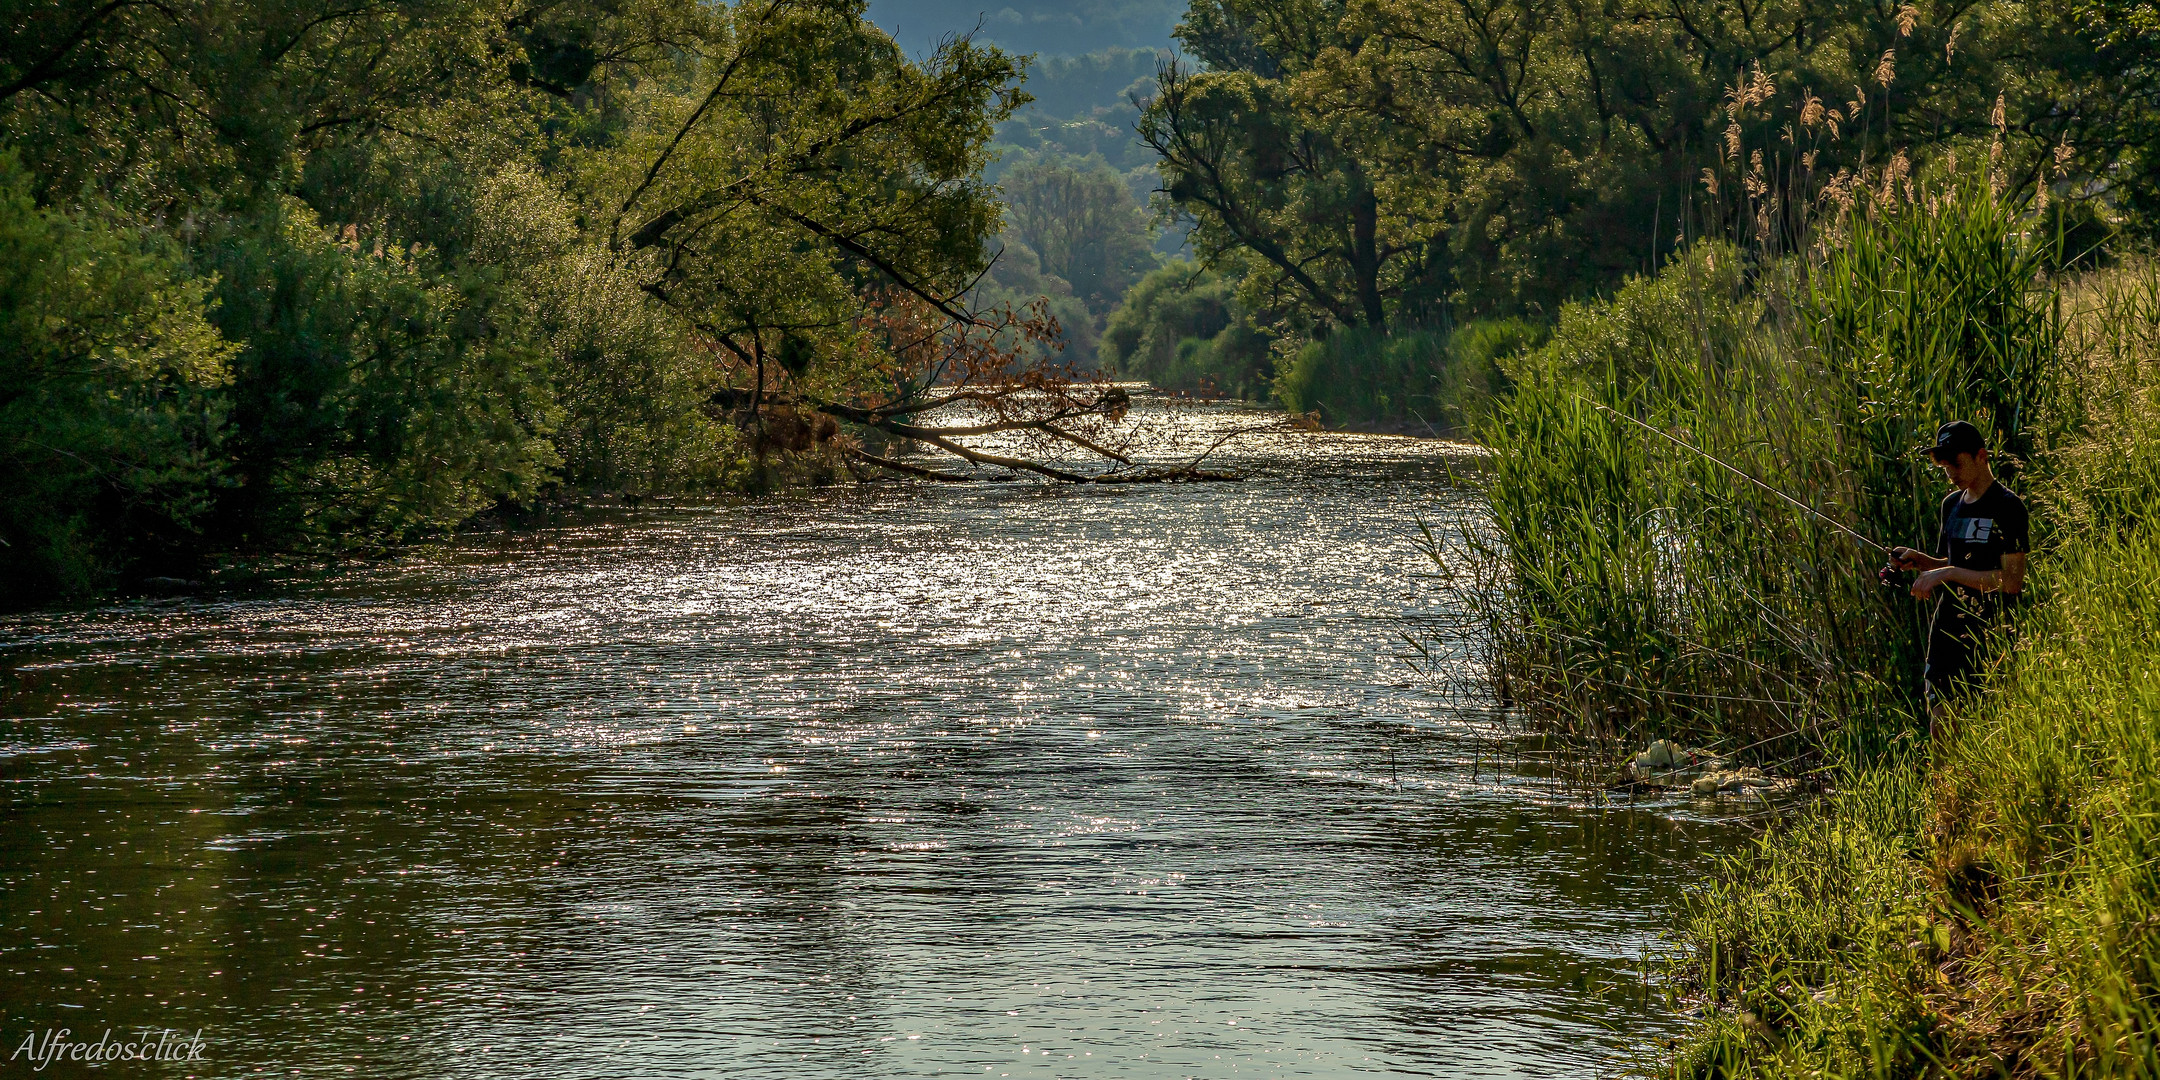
1979,901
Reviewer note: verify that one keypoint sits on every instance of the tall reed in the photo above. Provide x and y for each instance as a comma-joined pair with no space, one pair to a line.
1988,904
1979,899
1636,589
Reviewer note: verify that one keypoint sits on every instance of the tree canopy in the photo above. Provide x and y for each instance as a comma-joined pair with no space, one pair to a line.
295,275
1363,162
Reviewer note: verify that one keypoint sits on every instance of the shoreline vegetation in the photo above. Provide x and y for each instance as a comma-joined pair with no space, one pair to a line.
1979,901
1984,902
309,280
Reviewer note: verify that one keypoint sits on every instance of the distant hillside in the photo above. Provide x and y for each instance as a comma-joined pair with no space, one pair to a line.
1033,26
1078,85
1084,106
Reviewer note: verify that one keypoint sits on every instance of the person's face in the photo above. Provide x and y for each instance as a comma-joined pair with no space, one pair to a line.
1963,470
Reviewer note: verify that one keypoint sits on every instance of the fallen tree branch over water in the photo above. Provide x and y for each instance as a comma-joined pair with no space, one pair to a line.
935,382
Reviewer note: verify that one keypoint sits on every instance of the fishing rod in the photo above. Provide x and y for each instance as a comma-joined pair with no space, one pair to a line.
1741,473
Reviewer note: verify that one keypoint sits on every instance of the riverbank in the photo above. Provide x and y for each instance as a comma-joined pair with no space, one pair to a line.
1976,901
1981,906
1984,903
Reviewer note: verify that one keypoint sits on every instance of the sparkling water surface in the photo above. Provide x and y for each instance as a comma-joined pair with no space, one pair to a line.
900,779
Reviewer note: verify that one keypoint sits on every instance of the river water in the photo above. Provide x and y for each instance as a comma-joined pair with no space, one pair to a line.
900,779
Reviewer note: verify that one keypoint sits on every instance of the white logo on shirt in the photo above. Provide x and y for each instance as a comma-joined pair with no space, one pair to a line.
1977,530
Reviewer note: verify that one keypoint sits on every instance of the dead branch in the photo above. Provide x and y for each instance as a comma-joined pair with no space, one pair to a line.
911,470
908,359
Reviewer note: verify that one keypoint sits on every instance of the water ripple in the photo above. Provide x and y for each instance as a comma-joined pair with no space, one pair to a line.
897,780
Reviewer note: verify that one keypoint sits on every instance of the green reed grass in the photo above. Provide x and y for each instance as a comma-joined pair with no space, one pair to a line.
1988,903
1996,913
1981,899
1638,590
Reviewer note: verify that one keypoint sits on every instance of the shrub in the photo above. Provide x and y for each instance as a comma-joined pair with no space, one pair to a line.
631,383
110,406
1181,328
1440,382
378,391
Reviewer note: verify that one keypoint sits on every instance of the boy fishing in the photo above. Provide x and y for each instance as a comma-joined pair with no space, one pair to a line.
1979,560
1979,563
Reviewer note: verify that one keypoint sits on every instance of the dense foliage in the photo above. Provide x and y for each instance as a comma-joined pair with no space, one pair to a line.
1386,164
1432,382
288,276
1181,328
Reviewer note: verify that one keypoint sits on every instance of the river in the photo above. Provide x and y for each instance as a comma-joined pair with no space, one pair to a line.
898,779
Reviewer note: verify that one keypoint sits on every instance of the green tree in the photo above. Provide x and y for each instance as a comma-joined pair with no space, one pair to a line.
1279,177
455,253
1182,328
808,163
1080,220
1374,160
109,423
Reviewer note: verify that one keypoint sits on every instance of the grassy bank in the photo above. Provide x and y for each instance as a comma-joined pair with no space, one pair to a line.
1979,902
1986,905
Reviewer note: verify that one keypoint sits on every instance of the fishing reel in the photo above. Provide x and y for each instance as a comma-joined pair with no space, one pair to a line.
1890,577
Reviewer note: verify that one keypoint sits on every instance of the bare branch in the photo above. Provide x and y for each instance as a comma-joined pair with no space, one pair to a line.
911,470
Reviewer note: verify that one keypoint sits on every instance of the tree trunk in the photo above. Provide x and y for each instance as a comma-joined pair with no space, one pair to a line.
1365,254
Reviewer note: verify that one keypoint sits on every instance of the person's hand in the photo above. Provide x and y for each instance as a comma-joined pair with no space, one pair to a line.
1925,584
1902,557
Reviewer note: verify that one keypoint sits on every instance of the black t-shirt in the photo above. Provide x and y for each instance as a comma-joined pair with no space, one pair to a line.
1976,535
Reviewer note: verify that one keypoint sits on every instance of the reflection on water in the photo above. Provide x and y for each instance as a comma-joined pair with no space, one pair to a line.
897,780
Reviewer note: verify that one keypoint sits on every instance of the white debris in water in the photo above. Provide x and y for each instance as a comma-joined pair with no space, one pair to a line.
1740,782
1664,764
1661,754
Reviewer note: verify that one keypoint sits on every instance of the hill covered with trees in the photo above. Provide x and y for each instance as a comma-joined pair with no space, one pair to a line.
1048,29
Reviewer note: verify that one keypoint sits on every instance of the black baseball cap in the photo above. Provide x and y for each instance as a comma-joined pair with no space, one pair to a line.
1954,438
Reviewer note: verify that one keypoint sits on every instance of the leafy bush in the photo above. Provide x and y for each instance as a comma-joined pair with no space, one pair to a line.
110,418
1440,382
1181,328
631,382
377,392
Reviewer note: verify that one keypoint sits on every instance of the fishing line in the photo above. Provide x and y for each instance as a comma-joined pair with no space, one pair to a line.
1741,473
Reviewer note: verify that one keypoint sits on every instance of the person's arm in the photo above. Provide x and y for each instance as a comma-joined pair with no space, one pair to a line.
1905,558
2009,579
